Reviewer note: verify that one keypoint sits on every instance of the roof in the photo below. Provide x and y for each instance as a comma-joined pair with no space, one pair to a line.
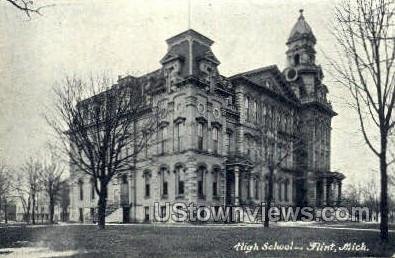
301,30
258,78
191,33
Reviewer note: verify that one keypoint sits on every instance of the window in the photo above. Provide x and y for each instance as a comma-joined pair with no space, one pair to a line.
180,180
229,144
146,214
200,136
165,187
81,189
147,184
162,140
286,186
247,107
92,189
215,140
201,172
297,59
215,184
178,132
164,184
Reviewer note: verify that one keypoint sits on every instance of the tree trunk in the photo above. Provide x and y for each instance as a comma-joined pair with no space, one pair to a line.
27,213
384,191
33,209
51,209
102,203
269,197
5,211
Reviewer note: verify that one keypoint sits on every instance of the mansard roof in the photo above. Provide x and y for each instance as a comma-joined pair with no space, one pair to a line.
301,30
189,33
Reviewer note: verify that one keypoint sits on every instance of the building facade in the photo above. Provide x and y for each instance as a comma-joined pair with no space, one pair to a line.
221,133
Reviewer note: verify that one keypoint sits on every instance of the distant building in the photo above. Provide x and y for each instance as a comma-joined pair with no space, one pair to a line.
213,145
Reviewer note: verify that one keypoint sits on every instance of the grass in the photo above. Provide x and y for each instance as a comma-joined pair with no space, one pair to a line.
169,241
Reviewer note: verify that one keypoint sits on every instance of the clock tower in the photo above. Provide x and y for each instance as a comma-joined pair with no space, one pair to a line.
305,78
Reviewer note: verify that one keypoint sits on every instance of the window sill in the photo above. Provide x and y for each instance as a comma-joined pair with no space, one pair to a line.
165,196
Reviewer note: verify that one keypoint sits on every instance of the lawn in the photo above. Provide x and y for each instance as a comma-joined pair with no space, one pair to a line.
176,241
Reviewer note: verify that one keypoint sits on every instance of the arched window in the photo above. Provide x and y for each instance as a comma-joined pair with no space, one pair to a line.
81,189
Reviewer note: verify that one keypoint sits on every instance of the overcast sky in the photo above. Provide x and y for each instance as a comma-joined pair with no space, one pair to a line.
119,37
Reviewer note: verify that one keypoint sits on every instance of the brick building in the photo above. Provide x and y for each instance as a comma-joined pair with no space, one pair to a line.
213,145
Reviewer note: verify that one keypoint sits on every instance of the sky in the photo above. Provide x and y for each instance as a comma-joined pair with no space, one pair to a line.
83,37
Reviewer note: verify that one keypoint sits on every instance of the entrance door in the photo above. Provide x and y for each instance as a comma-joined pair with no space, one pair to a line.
125,214
81,215
230,188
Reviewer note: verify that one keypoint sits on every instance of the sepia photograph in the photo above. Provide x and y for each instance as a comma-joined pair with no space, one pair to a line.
197,128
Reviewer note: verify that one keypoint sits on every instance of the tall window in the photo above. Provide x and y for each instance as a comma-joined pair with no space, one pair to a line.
247,107
229,143
81,189
164,184
92,189
200,175
215,184
200,136
147,184
180,180
178,130
162,140
286,186
215,140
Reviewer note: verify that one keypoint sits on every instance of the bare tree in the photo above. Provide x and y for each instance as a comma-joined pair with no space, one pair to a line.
31,184
364,30
6,181
52,181
29,7
102,130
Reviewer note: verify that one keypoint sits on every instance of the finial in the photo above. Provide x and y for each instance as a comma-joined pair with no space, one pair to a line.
301,12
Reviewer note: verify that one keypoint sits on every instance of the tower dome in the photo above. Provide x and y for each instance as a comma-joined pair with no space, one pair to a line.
301,30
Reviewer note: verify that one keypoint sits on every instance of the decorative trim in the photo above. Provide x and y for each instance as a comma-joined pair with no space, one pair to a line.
201,119
216,125
179,120
163,124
